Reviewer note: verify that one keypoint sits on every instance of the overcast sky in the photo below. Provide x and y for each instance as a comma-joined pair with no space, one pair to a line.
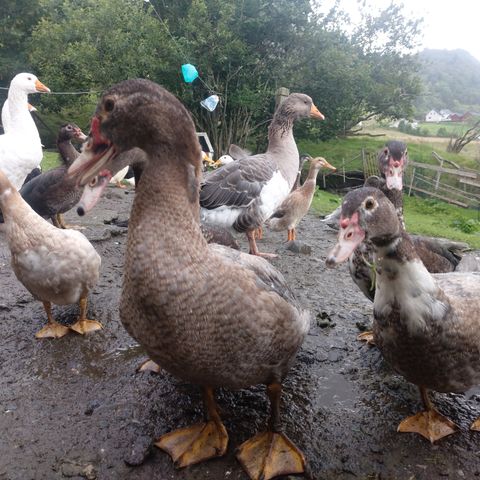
447,25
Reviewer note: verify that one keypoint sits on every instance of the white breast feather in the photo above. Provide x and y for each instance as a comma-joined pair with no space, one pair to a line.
273,194
413,289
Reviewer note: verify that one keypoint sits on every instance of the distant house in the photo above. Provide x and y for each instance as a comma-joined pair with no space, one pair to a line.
456,117
433,116
446,113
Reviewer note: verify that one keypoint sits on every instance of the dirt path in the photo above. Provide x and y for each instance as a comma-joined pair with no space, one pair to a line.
75,408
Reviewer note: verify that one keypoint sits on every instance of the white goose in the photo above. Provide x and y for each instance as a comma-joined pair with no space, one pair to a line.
20,146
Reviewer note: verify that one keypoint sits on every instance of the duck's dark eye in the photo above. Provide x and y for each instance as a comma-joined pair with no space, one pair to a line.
109,105
369,204
29,78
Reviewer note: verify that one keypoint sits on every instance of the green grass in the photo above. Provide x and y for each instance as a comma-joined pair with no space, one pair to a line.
348,148
50,160
452,128
422,216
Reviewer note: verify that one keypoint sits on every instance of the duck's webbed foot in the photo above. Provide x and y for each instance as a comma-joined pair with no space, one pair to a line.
52,329
198,442
366,337
149,366
83,325
271,453
253,246
430,423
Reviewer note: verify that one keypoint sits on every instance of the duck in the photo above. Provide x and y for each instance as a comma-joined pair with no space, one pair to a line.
211,315
119,176
20,146
52,193
296,205
426,325
56,266
245,193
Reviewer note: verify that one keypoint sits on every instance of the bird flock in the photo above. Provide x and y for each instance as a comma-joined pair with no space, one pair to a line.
202,309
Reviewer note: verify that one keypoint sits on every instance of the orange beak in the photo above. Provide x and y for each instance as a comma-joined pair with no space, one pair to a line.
316,113
41,87
325,164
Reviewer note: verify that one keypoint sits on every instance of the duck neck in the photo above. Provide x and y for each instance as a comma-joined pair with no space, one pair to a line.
20,118
311,182
167,202
404,287
68,153
281,144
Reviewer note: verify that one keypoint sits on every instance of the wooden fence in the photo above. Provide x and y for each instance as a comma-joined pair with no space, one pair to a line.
456,185
452,183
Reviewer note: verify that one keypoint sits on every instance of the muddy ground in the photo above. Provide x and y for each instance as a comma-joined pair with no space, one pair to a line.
75,407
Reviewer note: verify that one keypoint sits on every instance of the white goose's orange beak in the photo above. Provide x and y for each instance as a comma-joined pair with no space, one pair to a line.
41,87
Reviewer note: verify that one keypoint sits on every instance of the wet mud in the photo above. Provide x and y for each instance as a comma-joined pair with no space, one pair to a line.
76,408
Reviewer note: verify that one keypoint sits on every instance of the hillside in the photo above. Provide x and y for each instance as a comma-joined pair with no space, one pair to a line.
451,80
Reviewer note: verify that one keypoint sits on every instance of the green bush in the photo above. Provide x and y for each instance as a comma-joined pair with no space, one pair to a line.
466,226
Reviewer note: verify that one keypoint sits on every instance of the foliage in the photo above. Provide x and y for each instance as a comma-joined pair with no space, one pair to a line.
452,80
466,226
244,50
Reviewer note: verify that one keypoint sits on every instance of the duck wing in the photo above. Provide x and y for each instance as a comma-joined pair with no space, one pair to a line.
268,278
237,184
47,193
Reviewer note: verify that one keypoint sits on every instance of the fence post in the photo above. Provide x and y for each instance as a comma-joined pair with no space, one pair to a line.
280,95
411,182
439,174
343,169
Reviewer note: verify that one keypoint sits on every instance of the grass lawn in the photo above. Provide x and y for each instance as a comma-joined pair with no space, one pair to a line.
419,149
423,216
50,160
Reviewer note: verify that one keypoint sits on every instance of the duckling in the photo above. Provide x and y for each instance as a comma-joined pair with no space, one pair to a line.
426,326
297,204
210,315
55,266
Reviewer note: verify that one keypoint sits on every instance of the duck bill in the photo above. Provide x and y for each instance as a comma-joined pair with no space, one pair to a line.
80,136
93,159
350,236
93,191
394,177
40,87
325,164
316,113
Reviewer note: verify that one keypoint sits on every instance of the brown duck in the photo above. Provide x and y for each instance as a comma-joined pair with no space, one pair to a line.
426,326
297,204
208,314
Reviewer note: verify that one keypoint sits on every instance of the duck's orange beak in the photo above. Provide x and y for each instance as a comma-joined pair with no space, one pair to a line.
328,165
41,87
316,113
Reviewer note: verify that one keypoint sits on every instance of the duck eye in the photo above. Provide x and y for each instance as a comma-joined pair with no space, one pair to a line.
109,105
29,78
369,204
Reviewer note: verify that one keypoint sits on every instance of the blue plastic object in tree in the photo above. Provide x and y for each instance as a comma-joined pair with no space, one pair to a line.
189,72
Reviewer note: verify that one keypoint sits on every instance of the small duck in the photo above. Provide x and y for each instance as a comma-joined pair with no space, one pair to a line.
246,192
55,266
297,204
52,193
208,314
426,326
